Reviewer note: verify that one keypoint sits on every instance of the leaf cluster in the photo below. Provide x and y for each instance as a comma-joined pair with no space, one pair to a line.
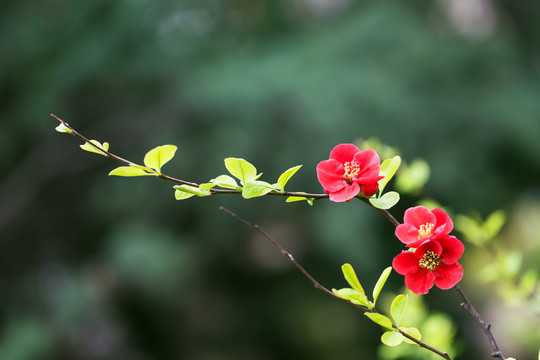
394,334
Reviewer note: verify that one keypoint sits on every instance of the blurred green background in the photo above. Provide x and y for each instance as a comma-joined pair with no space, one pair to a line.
94,267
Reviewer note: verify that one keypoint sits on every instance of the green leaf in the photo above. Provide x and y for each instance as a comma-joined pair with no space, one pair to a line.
392,338
388,169
206,186
63,128
182,195
130,171
350,276
380,319
386,201
256,188
284,178
159,156
300,198
528,282
87,147
398,307
511,263
190,190
225,181
413,177
412,331
353,296
494,223
380,283
241,169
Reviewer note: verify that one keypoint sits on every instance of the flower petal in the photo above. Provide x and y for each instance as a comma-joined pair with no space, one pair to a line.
452,249
443,221
446,276
369,162
419,215
429,245
344,152
369,189
345,194
329,173
406,262
420,282
368,179
406,233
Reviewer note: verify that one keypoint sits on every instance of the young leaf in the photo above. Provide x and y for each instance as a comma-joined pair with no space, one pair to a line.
353,296
380,319
283,178
392,338
388,169
528,282
351,278
380,283
182,195
225,181
386,201
63,128
300,198
159,156
87,147
398,307
130,171
494,223
191,190
412,331
241,169
256,188
206,186
413,177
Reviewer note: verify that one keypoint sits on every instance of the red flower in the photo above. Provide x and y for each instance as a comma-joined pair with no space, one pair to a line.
434,262
349,172
421,225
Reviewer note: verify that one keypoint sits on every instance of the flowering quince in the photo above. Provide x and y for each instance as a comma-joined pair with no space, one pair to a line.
349,172
434,262
420,225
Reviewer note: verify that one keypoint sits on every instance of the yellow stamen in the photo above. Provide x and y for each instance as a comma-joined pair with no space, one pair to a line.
429,261
425,230
351,170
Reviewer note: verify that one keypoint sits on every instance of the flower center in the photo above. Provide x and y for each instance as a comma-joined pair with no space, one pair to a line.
429,261
425,230
351,170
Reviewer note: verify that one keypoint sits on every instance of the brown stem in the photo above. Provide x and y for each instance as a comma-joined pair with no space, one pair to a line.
317,285
180,181
466,304
283,252
424,345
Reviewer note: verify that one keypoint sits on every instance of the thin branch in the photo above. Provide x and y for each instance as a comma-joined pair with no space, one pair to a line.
173,179
424,345
283,252
389,216
317,285
466,304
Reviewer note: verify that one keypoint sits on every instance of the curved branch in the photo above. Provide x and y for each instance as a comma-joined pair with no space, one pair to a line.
317,285
173,179
465,302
